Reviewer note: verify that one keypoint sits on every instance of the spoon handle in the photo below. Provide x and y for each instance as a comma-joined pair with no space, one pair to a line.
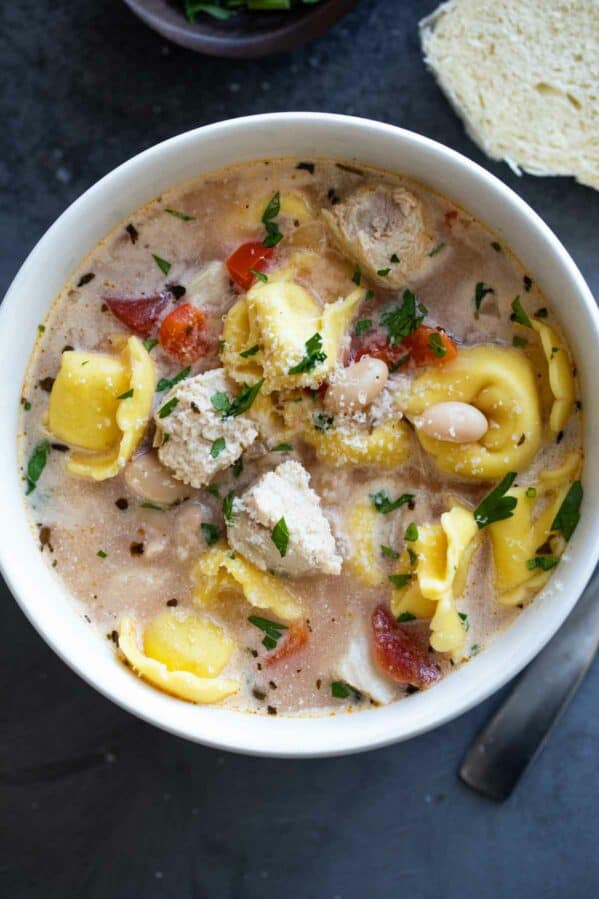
517,733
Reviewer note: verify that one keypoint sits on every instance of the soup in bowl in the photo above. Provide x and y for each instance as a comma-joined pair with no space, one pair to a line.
303,435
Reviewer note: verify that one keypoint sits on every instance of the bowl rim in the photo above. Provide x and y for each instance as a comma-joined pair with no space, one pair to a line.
266,735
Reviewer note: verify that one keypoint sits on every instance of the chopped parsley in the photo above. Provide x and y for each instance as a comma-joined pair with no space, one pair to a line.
362,326
401,321
389,552
568,514
150,344
180,215
101,554
519,315
273,234
394,258
167,383
475,648
519,341
238,468
438,248
228,507
322,421
162,264
435,343
497,246
342,690
496,506
400,581
168,407
36,464
251,351
280,537
384,505
217,447
85,279
464,619
210,533
126,395
411,533
412,555
41,328
545,563
25,404
259,275
383,272
405,616
314,355
213,490
148,505
480,292
531,492
357,276
282,448
241,403
306,166
273,630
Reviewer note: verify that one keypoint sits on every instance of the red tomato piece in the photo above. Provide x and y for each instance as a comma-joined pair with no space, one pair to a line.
297,637
381,349
424,341
252,255
182,334
399,652
139,314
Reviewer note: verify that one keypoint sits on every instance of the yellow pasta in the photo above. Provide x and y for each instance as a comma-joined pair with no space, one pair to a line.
364,561
501,383
181,683
516,540
279,317
561,380
293,205
102,404
220,572
188,643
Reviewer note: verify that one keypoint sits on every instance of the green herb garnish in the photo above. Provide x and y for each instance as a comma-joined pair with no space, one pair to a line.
464,619
162,264
36,464
438,248
126,395
280,537
180,215
400,581
101,554
148,505
545,563
401,321
272,629
259,275
519,341
435,343
273,234
394,258
411,533
389,552
519,315
238,467
228,507
342,690
167,383
241,403
150,344
357,276
531,492
282,448
383,272
314,355
362,326
568,514
168,407
217,447
251,351
480,292
383,504
497,246
405,616
496,506
322,421
210,532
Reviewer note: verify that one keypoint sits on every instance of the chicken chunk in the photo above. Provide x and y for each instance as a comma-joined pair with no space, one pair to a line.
376,225
200,440
284,493
357,668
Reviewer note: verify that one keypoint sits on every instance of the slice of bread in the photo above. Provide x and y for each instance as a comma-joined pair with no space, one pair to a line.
524,77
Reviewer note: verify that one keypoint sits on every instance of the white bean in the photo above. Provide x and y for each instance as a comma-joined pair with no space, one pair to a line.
150,480
453,422
357,385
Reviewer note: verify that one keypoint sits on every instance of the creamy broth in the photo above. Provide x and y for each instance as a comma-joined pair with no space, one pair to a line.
125,557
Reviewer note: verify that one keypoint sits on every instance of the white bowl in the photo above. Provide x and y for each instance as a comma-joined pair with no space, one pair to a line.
41,595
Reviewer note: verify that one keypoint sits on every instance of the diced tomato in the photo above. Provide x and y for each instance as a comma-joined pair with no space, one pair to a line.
381,349
424,341
139,314
252,255
399,652
297,637
182,334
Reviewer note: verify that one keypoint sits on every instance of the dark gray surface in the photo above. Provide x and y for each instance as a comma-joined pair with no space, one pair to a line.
93,802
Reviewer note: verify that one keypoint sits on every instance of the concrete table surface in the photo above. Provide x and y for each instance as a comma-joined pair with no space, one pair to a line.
97,804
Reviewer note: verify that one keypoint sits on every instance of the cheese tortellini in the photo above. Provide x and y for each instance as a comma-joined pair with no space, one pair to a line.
101,404
516,540
221,572
364,561
266,333
182,656
444,552
501,383
561,379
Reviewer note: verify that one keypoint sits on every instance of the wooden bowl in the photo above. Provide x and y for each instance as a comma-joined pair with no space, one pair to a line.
246,34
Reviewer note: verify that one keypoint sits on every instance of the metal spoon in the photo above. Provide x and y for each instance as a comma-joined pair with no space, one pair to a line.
517,733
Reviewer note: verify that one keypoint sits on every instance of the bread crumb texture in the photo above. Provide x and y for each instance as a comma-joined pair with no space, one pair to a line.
524,77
